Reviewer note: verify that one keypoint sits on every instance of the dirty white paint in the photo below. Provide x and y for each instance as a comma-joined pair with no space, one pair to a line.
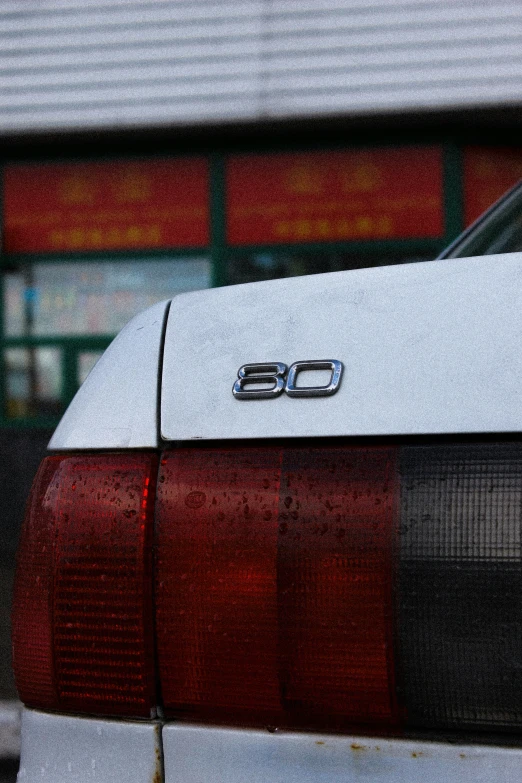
195,753
58,748
117,405
430,347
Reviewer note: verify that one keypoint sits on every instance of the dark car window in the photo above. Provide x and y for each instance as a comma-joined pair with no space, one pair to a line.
499,230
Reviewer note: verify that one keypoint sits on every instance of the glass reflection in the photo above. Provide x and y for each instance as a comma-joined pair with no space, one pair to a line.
93,298
86,361
33,382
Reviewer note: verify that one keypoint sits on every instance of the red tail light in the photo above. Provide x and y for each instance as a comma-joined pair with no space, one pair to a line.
274,584
82,619
334,587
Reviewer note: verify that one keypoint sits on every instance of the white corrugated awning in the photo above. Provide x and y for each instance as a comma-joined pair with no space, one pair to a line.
71,64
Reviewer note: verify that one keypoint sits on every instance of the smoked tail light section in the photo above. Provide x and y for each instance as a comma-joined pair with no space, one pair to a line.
82,610
459,586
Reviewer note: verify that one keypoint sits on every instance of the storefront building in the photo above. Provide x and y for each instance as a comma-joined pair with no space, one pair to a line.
110,237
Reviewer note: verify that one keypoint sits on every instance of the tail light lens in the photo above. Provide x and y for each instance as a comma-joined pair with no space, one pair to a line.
329,587
274,584
342,587
82,616
459,583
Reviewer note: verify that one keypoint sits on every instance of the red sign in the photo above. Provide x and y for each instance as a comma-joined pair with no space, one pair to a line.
332,196
119,205
488,173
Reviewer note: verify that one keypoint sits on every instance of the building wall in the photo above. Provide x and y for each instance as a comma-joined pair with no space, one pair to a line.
20,455
69,64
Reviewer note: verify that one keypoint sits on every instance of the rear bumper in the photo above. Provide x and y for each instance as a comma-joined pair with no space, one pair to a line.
61,748
58,748
196,754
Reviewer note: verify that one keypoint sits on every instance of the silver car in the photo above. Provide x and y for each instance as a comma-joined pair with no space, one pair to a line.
278,536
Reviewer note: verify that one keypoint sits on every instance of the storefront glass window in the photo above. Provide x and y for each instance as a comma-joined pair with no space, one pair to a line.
93,298
86,361
33,382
